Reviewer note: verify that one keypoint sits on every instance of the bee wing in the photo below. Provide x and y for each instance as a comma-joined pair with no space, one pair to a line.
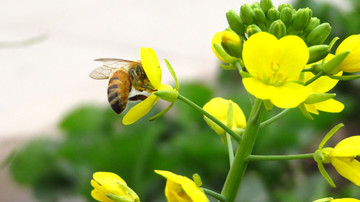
109,66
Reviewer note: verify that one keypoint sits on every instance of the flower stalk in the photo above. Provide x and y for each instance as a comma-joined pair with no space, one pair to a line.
279,157
237,170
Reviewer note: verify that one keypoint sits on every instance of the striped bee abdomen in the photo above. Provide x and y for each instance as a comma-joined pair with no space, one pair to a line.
118,90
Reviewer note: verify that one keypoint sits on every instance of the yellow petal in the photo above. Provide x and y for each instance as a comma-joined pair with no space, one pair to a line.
217,39
151,66
189,186
293,56
331,106
258,53
100,196
345,200
107,183
311,108
322,84
289,95
263,54
140,110
218,107
348,147
349,168
352,61
258,88
107,178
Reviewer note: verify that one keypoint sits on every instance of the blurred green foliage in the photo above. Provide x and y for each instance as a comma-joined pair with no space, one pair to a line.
94,139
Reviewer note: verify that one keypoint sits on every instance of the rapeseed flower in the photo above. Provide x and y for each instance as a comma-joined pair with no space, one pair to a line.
343,158
180,188
109,187
152,69
351,63
218,107
275,66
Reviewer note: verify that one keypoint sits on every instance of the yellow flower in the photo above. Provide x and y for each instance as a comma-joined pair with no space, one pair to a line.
345,200
320,86
330,199
275,67
352,61
343,158
218,107
152,70
109,187
180,188
227,46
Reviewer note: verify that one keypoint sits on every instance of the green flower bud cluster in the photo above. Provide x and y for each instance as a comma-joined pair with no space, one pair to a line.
285,20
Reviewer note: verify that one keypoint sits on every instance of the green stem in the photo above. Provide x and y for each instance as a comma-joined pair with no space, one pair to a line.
279,157
275,118
239,66
214,194
308,69
230,149
211,117
237,170
318,75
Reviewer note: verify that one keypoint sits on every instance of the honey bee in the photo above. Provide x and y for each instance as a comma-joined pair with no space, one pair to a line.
123,75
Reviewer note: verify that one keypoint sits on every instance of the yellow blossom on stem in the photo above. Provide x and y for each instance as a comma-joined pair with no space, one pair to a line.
109,187
345,200
227,46
152,69
352,61
330,199
275,66
318,88
218,107
343,158
180,188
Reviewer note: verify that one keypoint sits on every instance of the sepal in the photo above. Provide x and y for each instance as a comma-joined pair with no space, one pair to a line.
332,66
318,97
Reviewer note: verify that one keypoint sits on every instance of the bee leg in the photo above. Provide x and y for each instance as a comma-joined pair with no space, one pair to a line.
137,97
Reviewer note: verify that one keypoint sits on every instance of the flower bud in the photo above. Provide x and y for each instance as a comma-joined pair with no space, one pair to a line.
352,61
255,5
247,14
235,22
252,29
272,15
282,6
232,43
169,95
313,23
286,15
265,5
259,15
278,29
219,51
317,53
219,107
301,18
318,35
332,66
